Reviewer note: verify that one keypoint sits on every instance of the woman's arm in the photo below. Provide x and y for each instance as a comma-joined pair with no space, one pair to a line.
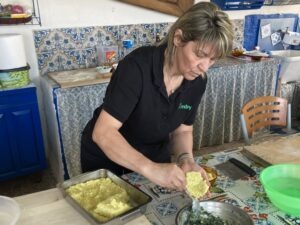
181,141
107,136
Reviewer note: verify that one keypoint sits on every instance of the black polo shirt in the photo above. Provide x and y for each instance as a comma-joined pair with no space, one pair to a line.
137,97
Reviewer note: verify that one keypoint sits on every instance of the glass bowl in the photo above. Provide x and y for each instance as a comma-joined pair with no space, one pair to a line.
9,211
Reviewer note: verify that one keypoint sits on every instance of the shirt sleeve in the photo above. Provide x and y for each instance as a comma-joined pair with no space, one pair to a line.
123,90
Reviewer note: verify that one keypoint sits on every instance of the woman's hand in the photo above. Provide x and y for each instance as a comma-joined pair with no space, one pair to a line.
189,164
167,175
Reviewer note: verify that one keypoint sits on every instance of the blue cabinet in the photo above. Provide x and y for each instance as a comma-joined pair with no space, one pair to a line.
21,142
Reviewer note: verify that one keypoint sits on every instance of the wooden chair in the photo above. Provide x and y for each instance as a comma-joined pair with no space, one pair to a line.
263,112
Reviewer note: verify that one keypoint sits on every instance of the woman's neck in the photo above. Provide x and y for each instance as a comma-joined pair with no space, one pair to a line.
172,79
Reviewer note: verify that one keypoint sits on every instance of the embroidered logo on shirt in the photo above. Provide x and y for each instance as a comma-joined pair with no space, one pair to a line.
184,106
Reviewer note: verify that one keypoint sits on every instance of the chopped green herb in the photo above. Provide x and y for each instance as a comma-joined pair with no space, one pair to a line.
202,217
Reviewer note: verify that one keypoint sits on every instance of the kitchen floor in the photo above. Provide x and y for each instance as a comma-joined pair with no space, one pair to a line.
28,184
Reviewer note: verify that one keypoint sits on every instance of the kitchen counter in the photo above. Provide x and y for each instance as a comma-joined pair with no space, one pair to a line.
49,207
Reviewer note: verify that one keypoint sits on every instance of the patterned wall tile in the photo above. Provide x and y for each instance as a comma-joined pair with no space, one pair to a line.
128,32
88,37
146,34
71,38
75,59
162,29
90,57
45,40
107,35
47,62
72,48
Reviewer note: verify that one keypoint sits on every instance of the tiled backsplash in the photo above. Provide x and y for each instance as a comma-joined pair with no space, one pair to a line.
72,48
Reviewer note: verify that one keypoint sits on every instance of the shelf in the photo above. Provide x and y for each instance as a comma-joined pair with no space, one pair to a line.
281,2
14,21
34,19
238,4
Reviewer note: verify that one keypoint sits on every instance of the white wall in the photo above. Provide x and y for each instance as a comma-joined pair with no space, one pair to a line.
77,13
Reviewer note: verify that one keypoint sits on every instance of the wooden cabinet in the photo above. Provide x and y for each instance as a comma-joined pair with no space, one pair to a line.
21,142
173,7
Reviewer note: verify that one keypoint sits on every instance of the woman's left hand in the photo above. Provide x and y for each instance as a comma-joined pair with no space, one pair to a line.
189,164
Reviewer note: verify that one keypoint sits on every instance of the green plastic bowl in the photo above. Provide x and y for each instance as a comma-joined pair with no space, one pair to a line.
282,185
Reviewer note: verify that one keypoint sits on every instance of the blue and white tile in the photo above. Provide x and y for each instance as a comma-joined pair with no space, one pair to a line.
76,38
70,38
129,31
46,40
107,35
146,34
74,59
88,36
162,29
90,57
47,62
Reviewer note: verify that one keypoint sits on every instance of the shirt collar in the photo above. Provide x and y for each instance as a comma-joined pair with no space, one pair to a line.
158,63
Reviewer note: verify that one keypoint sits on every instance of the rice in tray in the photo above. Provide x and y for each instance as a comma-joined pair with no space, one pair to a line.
101,197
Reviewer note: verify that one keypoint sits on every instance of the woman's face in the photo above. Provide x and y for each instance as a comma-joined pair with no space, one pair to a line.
192,61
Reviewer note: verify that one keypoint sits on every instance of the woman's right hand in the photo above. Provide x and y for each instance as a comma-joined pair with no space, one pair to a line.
167,175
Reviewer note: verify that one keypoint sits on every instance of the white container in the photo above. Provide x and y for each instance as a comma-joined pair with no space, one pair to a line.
290,64
9,211
12,53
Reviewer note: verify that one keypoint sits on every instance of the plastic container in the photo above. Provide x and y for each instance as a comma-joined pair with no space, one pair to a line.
239,4
12,78
107,55
127,46
290,65
9,211
282,185
12,51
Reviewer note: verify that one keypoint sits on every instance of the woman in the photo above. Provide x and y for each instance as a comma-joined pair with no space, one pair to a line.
151,101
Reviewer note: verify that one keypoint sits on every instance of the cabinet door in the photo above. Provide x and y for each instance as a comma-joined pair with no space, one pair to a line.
25,128
21,142
7,157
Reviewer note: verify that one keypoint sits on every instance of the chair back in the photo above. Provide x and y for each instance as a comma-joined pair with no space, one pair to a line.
262,112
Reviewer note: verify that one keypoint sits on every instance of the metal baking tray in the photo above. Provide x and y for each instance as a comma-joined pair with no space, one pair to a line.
138,199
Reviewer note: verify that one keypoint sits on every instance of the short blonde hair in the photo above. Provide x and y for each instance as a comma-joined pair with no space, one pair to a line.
203,23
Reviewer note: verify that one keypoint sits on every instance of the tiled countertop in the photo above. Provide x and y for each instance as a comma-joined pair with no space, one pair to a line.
246,193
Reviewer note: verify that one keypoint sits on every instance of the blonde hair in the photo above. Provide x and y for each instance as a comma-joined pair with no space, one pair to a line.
204,23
